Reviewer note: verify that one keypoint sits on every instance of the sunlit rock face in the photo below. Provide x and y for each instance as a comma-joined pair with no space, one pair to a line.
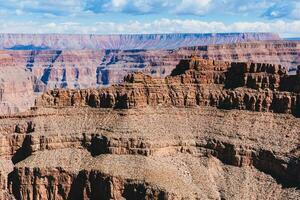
37,70
259,87
210,130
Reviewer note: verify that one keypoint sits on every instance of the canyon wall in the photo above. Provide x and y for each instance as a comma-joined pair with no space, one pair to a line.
209,130
123,42
246,86
27,73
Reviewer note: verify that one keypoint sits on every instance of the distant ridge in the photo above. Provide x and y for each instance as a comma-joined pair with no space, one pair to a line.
125,42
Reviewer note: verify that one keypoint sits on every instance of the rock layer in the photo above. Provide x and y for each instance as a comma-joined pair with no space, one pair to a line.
165,153
247,86
134,41
190,135
27,73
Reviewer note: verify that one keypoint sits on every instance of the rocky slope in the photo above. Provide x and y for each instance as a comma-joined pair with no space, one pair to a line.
123,42
210,130
26,73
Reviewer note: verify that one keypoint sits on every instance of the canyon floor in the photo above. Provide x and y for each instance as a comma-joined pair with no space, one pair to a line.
210,130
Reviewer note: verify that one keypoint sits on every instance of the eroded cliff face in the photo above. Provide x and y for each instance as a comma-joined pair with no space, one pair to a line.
210,130
16,86
245,86
25,74
163,153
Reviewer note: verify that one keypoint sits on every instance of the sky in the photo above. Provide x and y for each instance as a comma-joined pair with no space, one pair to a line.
150,16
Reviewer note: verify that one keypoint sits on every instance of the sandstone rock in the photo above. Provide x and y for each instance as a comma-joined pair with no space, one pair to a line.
190,135
27,73
158,154
193,82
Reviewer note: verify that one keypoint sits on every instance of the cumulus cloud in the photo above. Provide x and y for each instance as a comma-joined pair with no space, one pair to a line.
197,7
158,26
190,7
125,6
266,8
58,12
284,9
55,7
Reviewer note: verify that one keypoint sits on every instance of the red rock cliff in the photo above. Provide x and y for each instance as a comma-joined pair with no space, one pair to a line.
247,86
26,73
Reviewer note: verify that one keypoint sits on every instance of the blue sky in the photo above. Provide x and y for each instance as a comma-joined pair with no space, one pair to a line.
150,16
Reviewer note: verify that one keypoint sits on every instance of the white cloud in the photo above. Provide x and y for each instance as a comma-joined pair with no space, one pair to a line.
191,7
295,13
269,8
284,9
158,26
115,5
19,12
197,7
57,7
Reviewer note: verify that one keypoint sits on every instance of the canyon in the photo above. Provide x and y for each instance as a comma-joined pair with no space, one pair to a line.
157,116
210,129
25,74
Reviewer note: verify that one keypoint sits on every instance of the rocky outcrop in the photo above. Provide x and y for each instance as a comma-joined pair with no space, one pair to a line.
246,86
291,83
162,153
160,138
60,184
89,144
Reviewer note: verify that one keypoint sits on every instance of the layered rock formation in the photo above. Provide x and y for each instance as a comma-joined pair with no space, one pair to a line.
191,135
37,71
123,42
247,86
16,86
